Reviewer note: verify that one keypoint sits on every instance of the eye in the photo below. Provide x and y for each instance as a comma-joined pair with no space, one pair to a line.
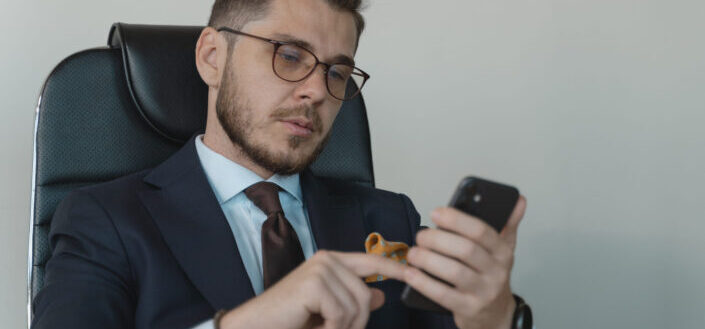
339,72
289,55
335,75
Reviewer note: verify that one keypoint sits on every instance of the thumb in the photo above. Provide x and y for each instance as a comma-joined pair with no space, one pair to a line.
377,299
509,233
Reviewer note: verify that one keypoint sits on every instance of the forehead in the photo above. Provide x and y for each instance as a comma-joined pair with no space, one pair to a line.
329,31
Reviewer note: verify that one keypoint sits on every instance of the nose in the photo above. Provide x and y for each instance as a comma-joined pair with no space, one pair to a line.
314,86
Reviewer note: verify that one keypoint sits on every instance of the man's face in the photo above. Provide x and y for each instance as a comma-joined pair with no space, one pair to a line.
282,126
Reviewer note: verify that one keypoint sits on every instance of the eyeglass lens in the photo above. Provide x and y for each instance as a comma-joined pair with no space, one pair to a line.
293,63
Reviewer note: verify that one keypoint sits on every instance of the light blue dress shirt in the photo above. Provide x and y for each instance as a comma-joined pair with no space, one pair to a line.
228,181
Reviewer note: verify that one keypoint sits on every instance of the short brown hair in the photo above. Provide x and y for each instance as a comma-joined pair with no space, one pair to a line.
236,13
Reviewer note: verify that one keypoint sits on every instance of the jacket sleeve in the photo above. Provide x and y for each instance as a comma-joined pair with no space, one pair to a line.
88,278
424,319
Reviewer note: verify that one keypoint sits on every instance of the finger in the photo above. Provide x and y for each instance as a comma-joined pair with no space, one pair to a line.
438,292
377,299
471,227
509,233
358,290
450,270
329,307
363,264
340,289
450,244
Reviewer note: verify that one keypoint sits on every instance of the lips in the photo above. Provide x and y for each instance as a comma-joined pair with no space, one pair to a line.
302,122
299,126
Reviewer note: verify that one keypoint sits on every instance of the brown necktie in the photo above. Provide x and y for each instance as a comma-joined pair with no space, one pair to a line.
281,249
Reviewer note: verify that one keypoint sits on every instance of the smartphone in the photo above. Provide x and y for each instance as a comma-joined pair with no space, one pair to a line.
489,201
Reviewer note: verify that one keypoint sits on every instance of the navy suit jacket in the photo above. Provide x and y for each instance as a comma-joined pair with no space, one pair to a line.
153,249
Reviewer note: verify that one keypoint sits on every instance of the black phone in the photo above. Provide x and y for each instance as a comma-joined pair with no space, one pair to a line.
489,201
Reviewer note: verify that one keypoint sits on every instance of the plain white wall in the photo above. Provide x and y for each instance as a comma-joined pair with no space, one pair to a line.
592,108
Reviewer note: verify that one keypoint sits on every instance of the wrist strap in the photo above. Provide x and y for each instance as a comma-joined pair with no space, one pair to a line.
521,317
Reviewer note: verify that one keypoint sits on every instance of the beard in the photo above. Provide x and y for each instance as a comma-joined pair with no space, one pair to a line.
235,117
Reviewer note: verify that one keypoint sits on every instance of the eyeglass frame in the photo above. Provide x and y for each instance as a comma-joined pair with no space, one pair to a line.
277,44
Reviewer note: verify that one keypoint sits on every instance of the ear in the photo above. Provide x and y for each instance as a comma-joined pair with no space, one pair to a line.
211,54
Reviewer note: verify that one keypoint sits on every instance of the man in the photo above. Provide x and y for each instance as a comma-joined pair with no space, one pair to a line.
201,237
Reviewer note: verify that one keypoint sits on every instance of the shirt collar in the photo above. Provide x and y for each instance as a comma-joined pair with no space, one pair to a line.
228,178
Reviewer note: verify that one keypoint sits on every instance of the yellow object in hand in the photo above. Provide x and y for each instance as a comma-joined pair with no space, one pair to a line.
375,244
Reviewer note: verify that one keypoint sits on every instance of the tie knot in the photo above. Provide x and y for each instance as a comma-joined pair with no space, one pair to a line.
265,195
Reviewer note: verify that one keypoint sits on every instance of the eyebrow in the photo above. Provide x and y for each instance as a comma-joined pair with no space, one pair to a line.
337,59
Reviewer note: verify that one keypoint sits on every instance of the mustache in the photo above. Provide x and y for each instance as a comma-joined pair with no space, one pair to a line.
303,110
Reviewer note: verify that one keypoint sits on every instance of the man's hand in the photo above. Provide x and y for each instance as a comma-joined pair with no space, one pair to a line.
326,291
474,258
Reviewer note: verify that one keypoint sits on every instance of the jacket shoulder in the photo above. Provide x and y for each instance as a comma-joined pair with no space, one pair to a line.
375,201
368,193
116,187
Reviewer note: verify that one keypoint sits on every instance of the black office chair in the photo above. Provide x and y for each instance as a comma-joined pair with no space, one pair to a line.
111,111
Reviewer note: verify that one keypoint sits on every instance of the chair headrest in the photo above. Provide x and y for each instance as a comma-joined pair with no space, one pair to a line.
173,101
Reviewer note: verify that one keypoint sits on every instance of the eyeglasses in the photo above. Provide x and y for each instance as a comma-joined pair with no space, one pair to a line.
294,63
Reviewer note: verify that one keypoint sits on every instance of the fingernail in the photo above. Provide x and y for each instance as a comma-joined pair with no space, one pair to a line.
411,252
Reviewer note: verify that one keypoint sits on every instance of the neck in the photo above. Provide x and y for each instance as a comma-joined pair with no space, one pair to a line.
226,148
219,142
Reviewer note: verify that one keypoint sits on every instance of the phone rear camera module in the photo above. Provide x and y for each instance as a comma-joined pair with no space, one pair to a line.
477,198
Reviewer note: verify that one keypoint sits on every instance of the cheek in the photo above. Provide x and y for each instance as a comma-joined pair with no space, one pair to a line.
328,116
263,91
259,103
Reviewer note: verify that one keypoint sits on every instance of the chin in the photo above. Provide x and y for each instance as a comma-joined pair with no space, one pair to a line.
284,153
297,154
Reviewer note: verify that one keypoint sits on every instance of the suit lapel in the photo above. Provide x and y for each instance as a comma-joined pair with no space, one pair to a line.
194,227
336,220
